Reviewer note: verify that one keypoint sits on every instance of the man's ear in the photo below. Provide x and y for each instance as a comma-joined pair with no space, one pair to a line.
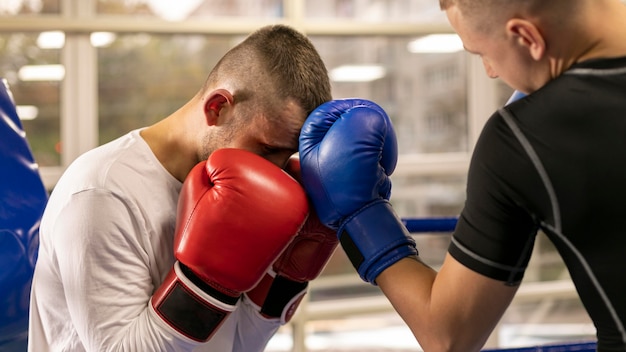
527,35
215,102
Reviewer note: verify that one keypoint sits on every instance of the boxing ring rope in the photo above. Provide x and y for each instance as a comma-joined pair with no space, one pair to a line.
433,224
580,347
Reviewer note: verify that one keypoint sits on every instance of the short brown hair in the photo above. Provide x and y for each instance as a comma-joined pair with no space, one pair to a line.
277,62
485,13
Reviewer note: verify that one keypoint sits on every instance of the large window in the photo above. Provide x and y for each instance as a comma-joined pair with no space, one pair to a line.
29,8
84,72
143,78
423,11
185,9
34,73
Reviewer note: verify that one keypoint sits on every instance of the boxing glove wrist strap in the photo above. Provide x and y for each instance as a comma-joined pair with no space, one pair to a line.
283,298
277,296
207,288
187,308
374,238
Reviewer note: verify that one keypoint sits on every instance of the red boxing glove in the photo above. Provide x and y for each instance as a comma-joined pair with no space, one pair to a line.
282,289
236,214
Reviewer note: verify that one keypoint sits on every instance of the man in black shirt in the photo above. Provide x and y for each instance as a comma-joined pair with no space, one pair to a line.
554,160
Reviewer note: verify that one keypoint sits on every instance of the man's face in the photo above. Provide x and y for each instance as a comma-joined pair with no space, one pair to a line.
270,134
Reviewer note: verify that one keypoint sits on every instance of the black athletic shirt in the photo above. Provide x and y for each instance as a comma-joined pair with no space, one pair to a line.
556,161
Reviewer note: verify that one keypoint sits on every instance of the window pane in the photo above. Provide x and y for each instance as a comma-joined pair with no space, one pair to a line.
143,78
183,9
34,76
423,93
29,7
424,11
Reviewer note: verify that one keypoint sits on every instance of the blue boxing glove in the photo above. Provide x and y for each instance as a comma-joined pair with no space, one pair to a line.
348,149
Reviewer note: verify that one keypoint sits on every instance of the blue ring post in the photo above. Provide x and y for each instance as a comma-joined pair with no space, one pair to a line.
22,200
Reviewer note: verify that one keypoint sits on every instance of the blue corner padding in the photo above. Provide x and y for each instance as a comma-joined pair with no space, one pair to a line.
22,200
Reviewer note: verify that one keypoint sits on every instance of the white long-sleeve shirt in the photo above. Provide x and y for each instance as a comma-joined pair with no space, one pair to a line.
106,244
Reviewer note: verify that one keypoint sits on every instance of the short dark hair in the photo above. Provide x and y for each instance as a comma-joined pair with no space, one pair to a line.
279,62
485,13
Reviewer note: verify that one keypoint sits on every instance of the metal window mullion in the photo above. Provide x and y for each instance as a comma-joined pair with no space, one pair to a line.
482,98
79,124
